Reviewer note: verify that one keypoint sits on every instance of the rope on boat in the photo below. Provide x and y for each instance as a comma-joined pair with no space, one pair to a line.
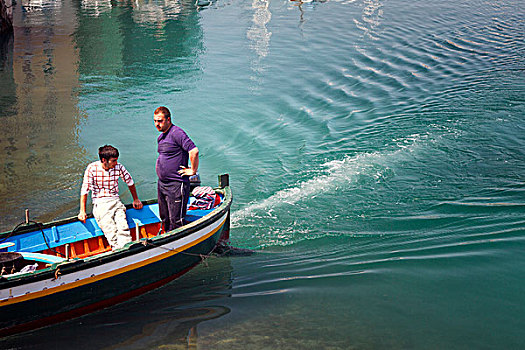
202,256
12,231
44,237
40,227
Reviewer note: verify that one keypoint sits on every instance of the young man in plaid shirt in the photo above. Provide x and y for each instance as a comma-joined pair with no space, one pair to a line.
101,178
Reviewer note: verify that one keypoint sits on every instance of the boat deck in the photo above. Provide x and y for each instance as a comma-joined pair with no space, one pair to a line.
79,240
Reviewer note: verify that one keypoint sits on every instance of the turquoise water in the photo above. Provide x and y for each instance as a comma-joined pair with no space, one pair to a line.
375,150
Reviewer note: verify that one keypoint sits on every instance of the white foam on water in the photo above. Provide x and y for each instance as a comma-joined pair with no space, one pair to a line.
332,175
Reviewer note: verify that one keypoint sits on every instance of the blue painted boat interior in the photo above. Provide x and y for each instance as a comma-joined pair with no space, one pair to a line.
76,231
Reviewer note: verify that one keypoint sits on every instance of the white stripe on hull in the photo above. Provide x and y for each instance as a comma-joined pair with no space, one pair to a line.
96,273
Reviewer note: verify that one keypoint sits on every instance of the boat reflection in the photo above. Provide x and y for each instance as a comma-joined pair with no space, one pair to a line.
166,317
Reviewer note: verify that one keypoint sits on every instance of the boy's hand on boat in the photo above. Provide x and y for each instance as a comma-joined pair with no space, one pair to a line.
82,216
137,204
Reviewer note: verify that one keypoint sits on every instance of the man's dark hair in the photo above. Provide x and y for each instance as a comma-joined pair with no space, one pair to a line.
164,110
106,152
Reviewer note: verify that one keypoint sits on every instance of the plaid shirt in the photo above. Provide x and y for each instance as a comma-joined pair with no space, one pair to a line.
104,183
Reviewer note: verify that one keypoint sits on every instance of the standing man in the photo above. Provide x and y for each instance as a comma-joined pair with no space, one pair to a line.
101,178
175,148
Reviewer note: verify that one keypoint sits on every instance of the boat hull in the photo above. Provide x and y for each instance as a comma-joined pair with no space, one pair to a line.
74,288
70,303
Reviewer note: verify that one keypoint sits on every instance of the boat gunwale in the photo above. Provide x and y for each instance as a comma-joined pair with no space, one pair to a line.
131,248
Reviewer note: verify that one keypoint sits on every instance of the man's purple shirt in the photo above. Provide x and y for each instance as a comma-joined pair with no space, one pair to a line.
173,148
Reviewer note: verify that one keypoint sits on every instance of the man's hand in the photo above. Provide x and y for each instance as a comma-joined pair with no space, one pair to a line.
82,216
137,204
186,171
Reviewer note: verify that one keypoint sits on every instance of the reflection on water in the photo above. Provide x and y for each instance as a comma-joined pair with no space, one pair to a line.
304,5
64,54
155,12
371,18
166,317
258,34
38,111
7,86
133,46
96,8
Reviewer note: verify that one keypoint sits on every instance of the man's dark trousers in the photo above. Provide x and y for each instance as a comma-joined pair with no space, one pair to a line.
173,201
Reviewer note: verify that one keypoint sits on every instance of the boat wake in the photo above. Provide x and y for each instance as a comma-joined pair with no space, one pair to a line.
352,172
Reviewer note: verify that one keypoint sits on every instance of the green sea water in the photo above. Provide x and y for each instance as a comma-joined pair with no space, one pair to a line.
376,152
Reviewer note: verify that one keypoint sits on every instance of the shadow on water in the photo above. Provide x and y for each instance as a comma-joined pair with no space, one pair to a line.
168,316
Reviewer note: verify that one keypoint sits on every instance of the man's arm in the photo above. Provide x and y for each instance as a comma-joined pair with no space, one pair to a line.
82,214
137,204
126,176
194,159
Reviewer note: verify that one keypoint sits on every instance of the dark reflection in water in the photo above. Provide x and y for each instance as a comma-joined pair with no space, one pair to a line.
39,148
62,57
133,44
7,86
167,317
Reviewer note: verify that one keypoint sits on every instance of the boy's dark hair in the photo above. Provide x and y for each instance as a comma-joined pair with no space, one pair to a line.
106,152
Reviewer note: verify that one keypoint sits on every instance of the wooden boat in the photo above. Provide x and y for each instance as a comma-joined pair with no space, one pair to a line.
76,272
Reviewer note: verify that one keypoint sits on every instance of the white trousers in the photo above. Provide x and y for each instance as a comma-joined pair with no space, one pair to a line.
110,214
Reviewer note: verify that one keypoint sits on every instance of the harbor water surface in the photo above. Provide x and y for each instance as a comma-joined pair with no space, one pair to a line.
376,152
